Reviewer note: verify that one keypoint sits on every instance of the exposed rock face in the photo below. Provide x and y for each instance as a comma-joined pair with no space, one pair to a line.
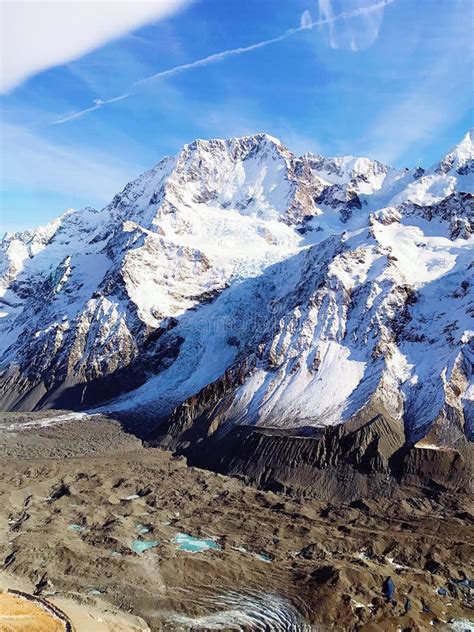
444,467
237,284
345,462
457,209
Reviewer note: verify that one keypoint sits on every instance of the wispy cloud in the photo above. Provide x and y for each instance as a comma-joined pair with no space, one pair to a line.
35,162
306,20
357,34
242,117
39,34
305,24
402,132
416,118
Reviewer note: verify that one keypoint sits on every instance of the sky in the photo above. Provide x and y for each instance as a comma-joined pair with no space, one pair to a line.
94,92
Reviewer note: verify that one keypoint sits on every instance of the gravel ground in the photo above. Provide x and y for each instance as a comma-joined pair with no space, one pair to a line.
77,495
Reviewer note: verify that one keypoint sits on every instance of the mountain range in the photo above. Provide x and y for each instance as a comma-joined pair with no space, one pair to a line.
237,284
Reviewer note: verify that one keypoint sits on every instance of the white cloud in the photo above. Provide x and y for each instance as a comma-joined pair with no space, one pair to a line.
40,34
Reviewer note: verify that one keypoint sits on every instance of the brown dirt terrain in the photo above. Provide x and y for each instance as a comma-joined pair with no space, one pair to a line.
75,496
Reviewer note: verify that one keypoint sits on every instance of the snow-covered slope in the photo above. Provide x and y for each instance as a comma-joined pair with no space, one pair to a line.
325,284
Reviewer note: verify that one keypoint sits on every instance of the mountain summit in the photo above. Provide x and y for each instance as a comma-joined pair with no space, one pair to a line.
252,286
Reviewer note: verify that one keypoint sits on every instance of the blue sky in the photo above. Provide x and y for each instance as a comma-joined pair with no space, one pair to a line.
393,82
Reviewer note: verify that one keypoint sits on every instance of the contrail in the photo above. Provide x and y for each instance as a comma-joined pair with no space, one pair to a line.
98,103
246,49
216,57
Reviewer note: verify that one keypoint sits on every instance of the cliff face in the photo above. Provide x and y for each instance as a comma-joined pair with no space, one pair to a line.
237,284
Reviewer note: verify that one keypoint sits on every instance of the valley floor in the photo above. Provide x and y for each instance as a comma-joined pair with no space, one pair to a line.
80,501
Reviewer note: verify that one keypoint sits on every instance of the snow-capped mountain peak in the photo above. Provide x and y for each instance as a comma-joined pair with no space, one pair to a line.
461,159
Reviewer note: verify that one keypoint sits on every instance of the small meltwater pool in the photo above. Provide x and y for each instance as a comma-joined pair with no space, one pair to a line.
191,544
140,546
